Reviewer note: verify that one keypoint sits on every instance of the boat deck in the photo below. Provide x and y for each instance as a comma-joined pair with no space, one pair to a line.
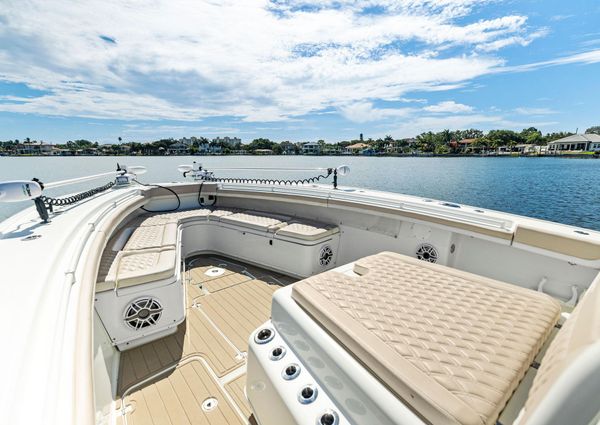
197,376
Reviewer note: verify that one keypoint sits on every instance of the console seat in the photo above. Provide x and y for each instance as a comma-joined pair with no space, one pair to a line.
453,346
145,237
254,220
145,249
306,231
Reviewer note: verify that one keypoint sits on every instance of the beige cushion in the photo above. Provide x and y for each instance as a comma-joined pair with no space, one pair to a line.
138,267
107,266
580,333
256,220
187,215
217,213
308,231
564,240
452,345
152,237
152,219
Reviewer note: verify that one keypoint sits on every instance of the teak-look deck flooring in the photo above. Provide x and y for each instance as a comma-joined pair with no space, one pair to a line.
167,381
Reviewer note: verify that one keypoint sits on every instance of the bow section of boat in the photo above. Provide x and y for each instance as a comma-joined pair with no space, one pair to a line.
48,304
142,293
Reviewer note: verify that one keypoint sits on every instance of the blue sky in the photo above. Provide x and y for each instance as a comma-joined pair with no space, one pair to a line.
294,69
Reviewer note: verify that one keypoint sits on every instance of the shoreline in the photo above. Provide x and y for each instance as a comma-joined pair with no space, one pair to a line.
516,155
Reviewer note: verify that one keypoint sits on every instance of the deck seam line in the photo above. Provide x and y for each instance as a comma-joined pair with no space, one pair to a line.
213,324
183,362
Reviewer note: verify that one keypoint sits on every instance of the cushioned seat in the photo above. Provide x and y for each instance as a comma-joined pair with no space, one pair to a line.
145,237
567,386
308,231
131,268
452,345
158,219
256,220
217,213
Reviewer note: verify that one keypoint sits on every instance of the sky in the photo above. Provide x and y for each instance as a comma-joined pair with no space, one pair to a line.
295,70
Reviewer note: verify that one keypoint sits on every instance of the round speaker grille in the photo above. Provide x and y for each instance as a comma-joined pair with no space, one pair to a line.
325,255
427,252
143,313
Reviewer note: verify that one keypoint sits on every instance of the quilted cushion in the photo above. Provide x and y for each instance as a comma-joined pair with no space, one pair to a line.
308,231
137,267
256,220
450,344
580,333
152,237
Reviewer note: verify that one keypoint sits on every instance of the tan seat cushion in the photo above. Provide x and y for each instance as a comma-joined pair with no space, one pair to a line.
161,219
152,219
579,333
308,231
138,267
106,263
152,237
564,240
217,213
450,344
256,220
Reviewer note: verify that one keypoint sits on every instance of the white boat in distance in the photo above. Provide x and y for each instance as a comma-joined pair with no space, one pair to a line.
220,301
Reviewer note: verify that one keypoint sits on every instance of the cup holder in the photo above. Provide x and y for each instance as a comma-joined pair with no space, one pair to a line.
277,353
328,417
307,394
264,335
290,372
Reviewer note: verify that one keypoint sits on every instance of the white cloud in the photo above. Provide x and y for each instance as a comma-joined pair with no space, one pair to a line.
364,111
589,57
534,111
449,106
227,58
258,60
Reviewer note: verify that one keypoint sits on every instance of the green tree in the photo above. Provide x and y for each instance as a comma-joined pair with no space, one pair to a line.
595,130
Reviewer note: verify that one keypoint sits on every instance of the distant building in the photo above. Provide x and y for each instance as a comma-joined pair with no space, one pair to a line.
288,148
311,148
263,152
34,148
575,142
527,149
465,145
178,148
361,137
228,141
188,141
355,148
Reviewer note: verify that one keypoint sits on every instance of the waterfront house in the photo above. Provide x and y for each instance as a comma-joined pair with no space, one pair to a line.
287,148
575,143
527,149
311,148
178,148
331,150
355,149
263,152
465,145
34,148
230,142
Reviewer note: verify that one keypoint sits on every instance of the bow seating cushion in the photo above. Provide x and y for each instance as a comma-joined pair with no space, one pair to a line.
452,345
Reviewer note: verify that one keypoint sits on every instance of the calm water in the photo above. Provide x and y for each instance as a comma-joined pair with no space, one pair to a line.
562,190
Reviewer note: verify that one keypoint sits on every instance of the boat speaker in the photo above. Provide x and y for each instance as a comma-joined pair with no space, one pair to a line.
325,255
427,252
143,313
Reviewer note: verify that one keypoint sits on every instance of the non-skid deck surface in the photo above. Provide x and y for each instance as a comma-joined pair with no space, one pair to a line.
177,398
222,311
236,389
